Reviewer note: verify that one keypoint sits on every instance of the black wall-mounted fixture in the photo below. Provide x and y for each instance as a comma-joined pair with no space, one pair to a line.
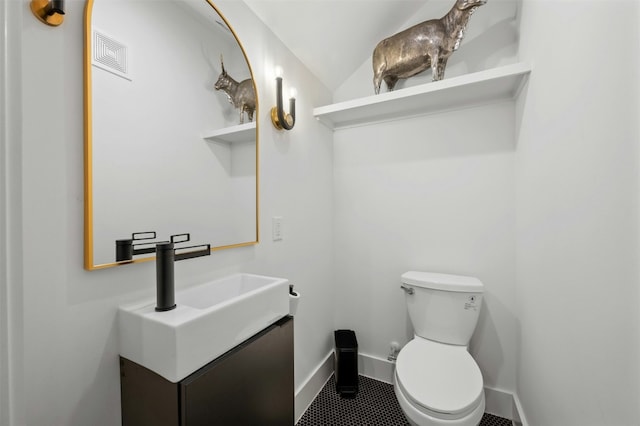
51,12
166,256
279,118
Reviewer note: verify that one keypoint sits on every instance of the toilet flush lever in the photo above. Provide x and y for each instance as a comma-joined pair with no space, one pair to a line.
407,289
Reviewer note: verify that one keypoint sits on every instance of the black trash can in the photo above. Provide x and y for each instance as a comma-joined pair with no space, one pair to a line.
346,363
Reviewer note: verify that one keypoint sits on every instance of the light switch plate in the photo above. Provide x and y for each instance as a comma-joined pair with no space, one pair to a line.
276,228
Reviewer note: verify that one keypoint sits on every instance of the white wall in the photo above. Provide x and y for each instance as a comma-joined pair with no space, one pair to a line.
10,196
432,193
577,233
63,330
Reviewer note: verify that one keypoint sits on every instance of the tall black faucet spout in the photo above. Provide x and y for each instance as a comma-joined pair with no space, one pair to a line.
166,257
165,284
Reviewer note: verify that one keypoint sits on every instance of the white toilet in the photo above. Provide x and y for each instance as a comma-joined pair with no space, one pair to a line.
436,381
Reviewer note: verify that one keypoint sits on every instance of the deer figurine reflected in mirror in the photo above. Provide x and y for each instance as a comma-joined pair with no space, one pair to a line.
241,95
425,45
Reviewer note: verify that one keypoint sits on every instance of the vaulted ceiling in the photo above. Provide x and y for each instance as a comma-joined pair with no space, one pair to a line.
333,38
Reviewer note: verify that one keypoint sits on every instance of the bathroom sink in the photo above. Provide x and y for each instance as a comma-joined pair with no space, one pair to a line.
209,320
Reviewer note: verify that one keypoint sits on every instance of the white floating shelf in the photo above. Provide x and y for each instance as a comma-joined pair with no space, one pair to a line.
466,90
241,133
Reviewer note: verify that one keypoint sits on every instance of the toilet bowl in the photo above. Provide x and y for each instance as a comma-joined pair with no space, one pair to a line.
438,384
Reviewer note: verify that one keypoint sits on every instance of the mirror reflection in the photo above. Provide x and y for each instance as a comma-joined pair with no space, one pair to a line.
165,150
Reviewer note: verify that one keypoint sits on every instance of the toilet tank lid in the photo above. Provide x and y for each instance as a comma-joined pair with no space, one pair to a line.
445,282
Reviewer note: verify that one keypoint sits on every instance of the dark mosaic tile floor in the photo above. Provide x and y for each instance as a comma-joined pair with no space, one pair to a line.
375,405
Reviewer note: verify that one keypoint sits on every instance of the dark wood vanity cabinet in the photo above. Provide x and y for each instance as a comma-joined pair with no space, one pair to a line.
251,384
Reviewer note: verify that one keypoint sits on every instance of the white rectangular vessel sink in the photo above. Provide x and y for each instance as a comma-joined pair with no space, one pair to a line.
209,320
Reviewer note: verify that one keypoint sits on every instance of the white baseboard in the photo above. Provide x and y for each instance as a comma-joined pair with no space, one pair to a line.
519,418
376,368
307,391
498,402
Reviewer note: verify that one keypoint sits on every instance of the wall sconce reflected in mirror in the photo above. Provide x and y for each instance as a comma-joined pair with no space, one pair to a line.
279,118
51,12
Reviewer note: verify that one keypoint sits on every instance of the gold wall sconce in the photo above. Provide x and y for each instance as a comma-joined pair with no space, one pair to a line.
279,118
51,12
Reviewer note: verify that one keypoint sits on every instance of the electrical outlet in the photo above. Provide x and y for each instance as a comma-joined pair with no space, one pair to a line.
276,228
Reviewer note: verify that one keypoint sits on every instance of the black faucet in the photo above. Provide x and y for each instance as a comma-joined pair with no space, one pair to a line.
166,256
126,249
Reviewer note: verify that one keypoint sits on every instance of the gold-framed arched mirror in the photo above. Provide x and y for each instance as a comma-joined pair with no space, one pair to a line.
164,150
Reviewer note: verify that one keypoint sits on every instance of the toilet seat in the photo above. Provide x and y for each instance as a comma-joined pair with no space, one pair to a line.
440,378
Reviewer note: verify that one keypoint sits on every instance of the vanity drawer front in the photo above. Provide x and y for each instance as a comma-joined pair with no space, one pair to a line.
251,384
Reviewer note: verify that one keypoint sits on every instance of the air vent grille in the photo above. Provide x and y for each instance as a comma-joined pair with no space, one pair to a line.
110,55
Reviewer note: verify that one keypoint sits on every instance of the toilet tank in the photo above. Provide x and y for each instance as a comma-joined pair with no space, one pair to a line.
443,307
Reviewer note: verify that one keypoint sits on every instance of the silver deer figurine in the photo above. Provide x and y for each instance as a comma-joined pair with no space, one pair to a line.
428,44
241,95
